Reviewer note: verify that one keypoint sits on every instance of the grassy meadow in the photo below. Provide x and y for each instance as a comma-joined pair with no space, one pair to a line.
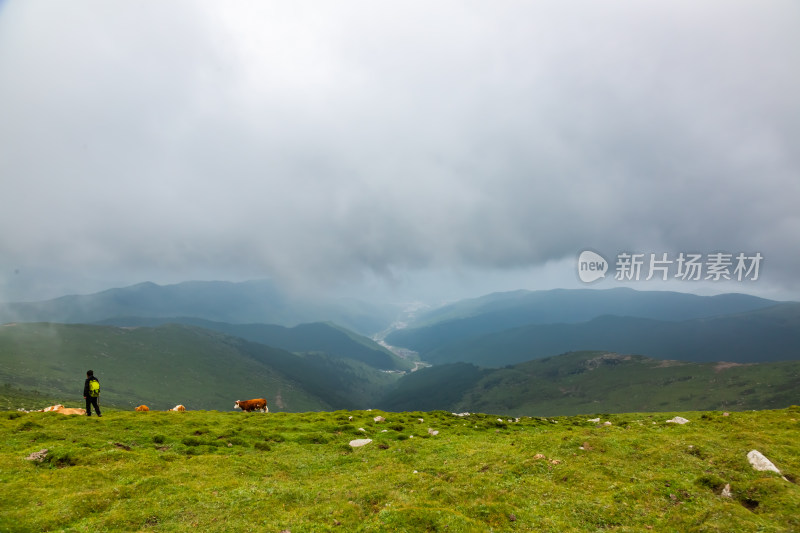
213,471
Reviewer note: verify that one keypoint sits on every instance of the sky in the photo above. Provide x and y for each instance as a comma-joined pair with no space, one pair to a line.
400,150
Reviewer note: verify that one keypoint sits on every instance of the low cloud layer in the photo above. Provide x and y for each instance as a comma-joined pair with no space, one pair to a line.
328,144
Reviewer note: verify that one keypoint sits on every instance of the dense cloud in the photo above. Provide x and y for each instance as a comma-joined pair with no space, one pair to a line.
329,143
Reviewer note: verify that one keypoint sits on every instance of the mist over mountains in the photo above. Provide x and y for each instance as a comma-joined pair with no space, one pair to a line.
258,301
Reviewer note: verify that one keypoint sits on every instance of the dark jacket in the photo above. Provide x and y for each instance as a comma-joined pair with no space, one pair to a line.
86,386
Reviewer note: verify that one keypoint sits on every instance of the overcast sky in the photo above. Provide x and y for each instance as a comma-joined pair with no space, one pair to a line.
415,149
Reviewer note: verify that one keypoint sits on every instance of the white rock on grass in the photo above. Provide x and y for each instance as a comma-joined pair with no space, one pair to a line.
761,463
38,456
678,420
357,443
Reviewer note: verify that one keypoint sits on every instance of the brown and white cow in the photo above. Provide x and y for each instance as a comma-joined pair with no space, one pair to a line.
58,408
71,411
259,404
179,408
142,408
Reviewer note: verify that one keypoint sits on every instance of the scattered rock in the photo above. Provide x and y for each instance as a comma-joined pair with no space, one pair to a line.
539,456
762,464
512,517
379,419
726,491
357,443
460,414
678,420
607,423
37,456
433,431
595,420
726,414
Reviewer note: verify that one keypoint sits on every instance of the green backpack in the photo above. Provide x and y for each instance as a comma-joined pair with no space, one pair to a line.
94,388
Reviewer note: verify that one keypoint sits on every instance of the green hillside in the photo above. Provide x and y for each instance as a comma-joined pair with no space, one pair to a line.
206,471
173,364
585,382
203,369
315,337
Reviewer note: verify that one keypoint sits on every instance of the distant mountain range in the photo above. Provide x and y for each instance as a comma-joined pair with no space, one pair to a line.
236,303
515,327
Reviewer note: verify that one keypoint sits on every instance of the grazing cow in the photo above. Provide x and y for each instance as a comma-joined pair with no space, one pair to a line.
178,408
259,404
71,411
142,408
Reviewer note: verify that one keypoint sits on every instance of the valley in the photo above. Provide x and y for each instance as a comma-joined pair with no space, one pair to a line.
500,353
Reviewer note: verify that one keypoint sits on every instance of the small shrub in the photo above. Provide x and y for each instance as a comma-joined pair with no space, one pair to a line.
191,441
697,452
313,438
28,425
61,458
711,481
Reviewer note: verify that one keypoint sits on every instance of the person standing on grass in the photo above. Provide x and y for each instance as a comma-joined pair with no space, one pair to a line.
91,391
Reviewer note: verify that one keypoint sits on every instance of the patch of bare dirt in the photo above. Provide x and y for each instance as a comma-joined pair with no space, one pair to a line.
724,365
